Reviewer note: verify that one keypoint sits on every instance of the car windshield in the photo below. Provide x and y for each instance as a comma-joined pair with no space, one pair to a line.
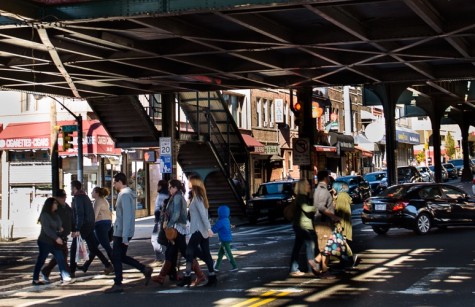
456,162
374,177
448,165
274,188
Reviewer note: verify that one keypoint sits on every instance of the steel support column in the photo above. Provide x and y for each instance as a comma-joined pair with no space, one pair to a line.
307,127
388,94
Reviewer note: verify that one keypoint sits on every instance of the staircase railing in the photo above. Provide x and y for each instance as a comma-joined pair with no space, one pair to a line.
233,168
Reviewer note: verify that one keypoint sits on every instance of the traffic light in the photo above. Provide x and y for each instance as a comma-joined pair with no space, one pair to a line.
67,140
298,113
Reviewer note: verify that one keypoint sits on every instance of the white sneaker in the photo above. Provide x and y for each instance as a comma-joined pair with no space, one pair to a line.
215,268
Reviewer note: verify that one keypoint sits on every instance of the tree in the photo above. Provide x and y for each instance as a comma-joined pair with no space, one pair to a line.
420,157
450,146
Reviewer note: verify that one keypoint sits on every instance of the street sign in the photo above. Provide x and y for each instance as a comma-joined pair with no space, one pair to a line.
166,155
69,128
301,151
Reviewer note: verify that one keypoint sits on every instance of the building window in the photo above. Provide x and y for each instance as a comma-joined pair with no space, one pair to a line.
259,112
266,113
272,113
235,106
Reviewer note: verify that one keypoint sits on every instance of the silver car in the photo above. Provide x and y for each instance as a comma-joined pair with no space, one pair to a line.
426,173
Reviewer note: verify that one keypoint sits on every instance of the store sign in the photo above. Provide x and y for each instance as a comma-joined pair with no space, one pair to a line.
279,110
271,150
22,143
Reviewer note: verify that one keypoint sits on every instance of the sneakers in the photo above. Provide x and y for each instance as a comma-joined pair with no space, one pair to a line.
109,269
67,281
37,283
215,268
297,274
356,261
147,272
114,289
45,277
234,269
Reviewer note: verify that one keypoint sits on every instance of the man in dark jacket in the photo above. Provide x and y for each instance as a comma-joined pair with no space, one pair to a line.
84,219
66,214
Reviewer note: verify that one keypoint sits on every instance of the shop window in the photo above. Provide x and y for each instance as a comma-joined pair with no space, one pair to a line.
137,183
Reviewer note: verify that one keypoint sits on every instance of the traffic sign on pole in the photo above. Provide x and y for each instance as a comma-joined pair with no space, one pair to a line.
166,155
301,151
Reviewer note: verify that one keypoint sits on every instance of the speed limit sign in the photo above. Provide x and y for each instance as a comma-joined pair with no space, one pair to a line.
166,146
166,155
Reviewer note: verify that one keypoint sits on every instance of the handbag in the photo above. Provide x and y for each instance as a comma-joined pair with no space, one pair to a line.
171,233
81,251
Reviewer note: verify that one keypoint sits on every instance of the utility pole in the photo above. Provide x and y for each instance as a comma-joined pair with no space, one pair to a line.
54,150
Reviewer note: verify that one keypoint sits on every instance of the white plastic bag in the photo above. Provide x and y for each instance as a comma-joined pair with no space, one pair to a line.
81,250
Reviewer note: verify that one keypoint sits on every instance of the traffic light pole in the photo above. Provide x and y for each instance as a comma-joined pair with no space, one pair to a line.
80,151
78,119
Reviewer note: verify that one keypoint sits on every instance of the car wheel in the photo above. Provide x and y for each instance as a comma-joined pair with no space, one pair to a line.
380,230
423,223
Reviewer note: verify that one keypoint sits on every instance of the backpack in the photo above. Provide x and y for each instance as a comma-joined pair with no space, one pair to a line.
290,210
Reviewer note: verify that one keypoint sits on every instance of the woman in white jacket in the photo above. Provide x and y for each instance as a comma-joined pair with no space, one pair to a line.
200,229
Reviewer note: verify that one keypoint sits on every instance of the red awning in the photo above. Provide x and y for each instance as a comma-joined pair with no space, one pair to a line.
322,148
37,136
254,144
364,152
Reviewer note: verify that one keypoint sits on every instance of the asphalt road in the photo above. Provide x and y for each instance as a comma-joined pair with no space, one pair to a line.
398,269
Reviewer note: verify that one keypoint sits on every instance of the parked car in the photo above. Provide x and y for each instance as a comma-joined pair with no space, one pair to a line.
458,163
425,173
408,174
359,188
445,174
418,206
270,200
451,170
378,181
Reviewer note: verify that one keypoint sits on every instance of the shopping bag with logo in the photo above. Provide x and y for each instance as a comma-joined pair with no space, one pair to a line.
81,251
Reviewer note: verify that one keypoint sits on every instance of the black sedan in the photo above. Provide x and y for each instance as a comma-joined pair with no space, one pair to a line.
359,188
419,207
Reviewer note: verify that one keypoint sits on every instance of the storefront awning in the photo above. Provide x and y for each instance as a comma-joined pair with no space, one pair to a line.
254,145
322,148
346,142
364,152
23,136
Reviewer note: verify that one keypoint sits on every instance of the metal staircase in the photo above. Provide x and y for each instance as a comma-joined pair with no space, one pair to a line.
218,153
126,121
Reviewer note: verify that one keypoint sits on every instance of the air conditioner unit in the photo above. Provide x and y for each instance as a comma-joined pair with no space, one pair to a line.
264,124
271,124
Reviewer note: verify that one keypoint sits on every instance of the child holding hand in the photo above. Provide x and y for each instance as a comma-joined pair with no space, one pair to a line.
223,228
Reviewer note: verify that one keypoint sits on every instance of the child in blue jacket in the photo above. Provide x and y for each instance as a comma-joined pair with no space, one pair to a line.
223,228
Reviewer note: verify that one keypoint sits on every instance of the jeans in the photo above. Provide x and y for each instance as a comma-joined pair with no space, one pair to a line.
45,249
302,236
196,246
52,263
101,232
119,256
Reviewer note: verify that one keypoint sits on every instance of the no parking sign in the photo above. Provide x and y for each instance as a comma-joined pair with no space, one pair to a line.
301,151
